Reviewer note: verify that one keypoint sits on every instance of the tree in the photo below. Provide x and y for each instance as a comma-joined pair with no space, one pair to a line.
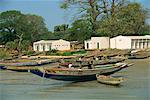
8,22
93,10
129,20
80,30
46,36
61,28
17,26
36,26
12,45
25,45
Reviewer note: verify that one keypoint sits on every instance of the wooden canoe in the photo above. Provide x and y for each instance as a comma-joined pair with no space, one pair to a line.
109,80
74,74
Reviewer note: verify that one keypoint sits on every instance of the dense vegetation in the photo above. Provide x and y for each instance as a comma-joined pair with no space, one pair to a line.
18,30
95,18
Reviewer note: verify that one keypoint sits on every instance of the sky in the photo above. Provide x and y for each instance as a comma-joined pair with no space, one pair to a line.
48,9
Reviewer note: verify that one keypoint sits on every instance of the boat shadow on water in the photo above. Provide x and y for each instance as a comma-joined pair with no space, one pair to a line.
76,86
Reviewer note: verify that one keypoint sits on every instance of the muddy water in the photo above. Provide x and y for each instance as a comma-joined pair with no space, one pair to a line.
26,86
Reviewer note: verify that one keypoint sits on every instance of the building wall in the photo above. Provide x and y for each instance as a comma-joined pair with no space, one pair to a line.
61,45
120,42
89,43
46,46
140,43
130,42
75,46
104,42
113,43
97,43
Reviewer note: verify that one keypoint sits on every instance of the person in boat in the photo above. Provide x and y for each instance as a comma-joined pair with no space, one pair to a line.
70,65
80,59
80,62
96,58
90,64
61,60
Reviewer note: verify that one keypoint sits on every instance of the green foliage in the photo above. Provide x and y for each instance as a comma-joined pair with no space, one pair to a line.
6,37
130,20
67,54
12,45
93,10
52,52
18,31
60,28
80,30
47,36
107,18
74,53
25,45
4,54
29,53
79,52
8,24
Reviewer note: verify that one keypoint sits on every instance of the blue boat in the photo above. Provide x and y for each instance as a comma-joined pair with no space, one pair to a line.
2,67
74,74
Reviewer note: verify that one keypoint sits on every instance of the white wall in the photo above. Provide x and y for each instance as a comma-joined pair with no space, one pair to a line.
61,45
113,43
104,42
89,43
58,45
93,43
120,42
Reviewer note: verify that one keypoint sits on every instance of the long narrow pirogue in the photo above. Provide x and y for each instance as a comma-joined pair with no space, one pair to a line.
98,62
31,63
74,74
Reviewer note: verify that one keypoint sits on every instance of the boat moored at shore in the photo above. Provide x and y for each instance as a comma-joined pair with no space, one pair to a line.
74,74
109,80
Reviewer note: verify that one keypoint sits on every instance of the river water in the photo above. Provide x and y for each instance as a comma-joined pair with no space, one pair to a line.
26,86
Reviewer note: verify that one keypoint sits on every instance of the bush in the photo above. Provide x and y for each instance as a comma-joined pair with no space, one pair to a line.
67,54
79,52
11,45
30,53
4,54
52,52
56,53
25,45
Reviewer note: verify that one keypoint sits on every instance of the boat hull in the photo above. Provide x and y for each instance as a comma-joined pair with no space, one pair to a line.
77,77
65,77
109,80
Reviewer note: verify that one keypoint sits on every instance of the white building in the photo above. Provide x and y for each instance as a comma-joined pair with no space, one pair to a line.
97,43
130,42
44,45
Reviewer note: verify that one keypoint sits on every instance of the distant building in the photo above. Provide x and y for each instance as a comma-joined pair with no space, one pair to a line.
46,45
130,42
97,43
75,45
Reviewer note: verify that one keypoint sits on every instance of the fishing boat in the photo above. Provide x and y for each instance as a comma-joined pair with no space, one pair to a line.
95,62
19,68
2,67
138,56
75,74
24,68
30,63
109,80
